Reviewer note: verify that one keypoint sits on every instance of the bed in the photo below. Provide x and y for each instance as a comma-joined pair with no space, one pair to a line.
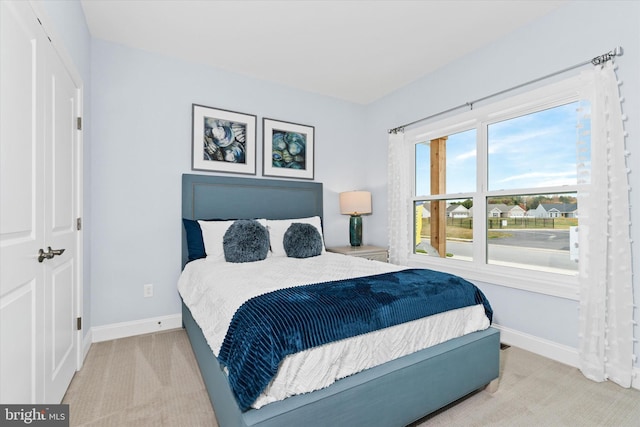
395,393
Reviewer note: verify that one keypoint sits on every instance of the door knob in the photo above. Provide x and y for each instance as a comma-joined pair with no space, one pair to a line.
42,255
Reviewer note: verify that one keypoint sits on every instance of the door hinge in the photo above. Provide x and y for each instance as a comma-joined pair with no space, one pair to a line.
79,123
78,223
79,323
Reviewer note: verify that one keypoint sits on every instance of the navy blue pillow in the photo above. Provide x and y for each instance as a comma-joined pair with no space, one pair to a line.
302,241
246,240
195,244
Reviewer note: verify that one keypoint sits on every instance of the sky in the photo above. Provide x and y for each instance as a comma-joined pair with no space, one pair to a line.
531,151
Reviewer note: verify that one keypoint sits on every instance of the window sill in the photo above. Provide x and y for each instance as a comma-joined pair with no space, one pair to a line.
542,282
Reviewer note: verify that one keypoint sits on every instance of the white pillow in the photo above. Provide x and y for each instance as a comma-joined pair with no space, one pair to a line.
213,234
277,228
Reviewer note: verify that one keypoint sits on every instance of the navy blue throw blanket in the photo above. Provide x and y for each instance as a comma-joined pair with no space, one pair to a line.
269,327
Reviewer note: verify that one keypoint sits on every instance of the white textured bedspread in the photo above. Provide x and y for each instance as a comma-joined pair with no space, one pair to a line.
213,290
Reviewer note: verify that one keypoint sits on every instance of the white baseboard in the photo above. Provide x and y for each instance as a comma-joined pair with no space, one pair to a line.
635,381
86,344
549,349
136,327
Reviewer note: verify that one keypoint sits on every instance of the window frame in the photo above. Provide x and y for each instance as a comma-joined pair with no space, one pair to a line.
549,96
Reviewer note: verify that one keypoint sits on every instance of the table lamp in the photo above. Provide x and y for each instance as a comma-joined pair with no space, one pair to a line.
355,203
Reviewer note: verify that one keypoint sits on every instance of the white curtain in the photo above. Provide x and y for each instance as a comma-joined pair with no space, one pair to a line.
606,293
399,198
605,284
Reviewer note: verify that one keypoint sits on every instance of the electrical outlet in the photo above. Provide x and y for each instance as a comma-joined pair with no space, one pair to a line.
148,290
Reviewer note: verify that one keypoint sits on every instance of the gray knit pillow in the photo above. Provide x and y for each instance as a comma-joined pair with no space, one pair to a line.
246,240
302,241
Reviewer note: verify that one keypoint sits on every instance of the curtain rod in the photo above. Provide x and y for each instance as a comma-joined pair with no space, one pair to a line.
601,59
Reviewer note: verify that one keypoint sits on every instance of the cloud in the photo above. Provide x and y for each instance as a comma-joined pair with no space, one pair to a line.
540,179
518,141
466,155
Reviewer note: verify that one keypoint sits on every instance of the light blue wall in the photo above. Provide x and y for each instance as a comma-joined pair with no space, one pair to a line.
142,145
575,33
69,25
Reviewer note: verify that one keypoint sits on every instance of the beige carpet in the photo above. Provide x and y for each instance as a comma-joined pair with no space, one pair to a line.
147,380
153,380
535,391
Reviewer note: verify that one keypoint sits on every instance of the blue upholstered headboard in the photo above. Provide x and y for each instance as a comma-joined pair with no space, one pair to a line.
222,197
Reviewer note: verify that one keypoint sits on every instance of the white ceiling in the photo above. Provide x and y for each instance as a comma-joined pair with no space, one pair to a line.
358,50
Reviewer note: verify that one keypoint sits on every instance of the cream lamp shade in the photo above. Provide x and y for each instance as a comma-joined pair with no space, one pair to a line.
355,202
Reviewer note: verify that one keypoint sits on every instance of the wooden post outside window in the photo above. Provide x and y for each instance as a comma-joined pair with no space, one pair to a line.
438,186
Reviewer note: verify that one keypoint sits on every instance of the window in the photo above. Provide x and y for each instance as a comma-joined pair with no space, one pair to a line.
497,188
536,232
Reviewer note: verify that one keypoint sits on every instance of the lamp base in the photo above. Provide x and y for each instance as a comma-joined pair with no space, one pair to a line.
355,230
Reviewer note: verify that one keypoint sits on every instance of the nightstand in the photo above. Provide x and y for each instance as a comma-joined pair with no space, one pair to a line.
375,253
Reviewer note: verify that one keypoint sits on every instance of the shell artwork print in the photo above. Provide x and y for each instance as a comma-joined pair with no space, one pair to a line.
224,141
288,150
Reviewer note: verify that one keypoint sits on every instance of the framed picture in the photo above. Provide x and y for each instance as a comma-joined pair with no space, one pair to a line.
223,141
288,149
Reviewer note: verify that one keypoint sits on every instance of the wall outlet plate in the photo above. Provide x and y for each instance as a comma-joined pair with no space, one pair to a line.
148,290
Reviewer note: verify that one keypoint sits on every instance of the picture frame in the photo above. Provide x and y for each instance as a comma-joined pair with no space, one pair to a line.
288,149
223,140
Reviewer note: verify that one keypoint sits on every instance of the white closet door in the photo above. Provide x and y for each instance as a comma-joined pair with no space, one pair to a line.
23,47
38,182
60,228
